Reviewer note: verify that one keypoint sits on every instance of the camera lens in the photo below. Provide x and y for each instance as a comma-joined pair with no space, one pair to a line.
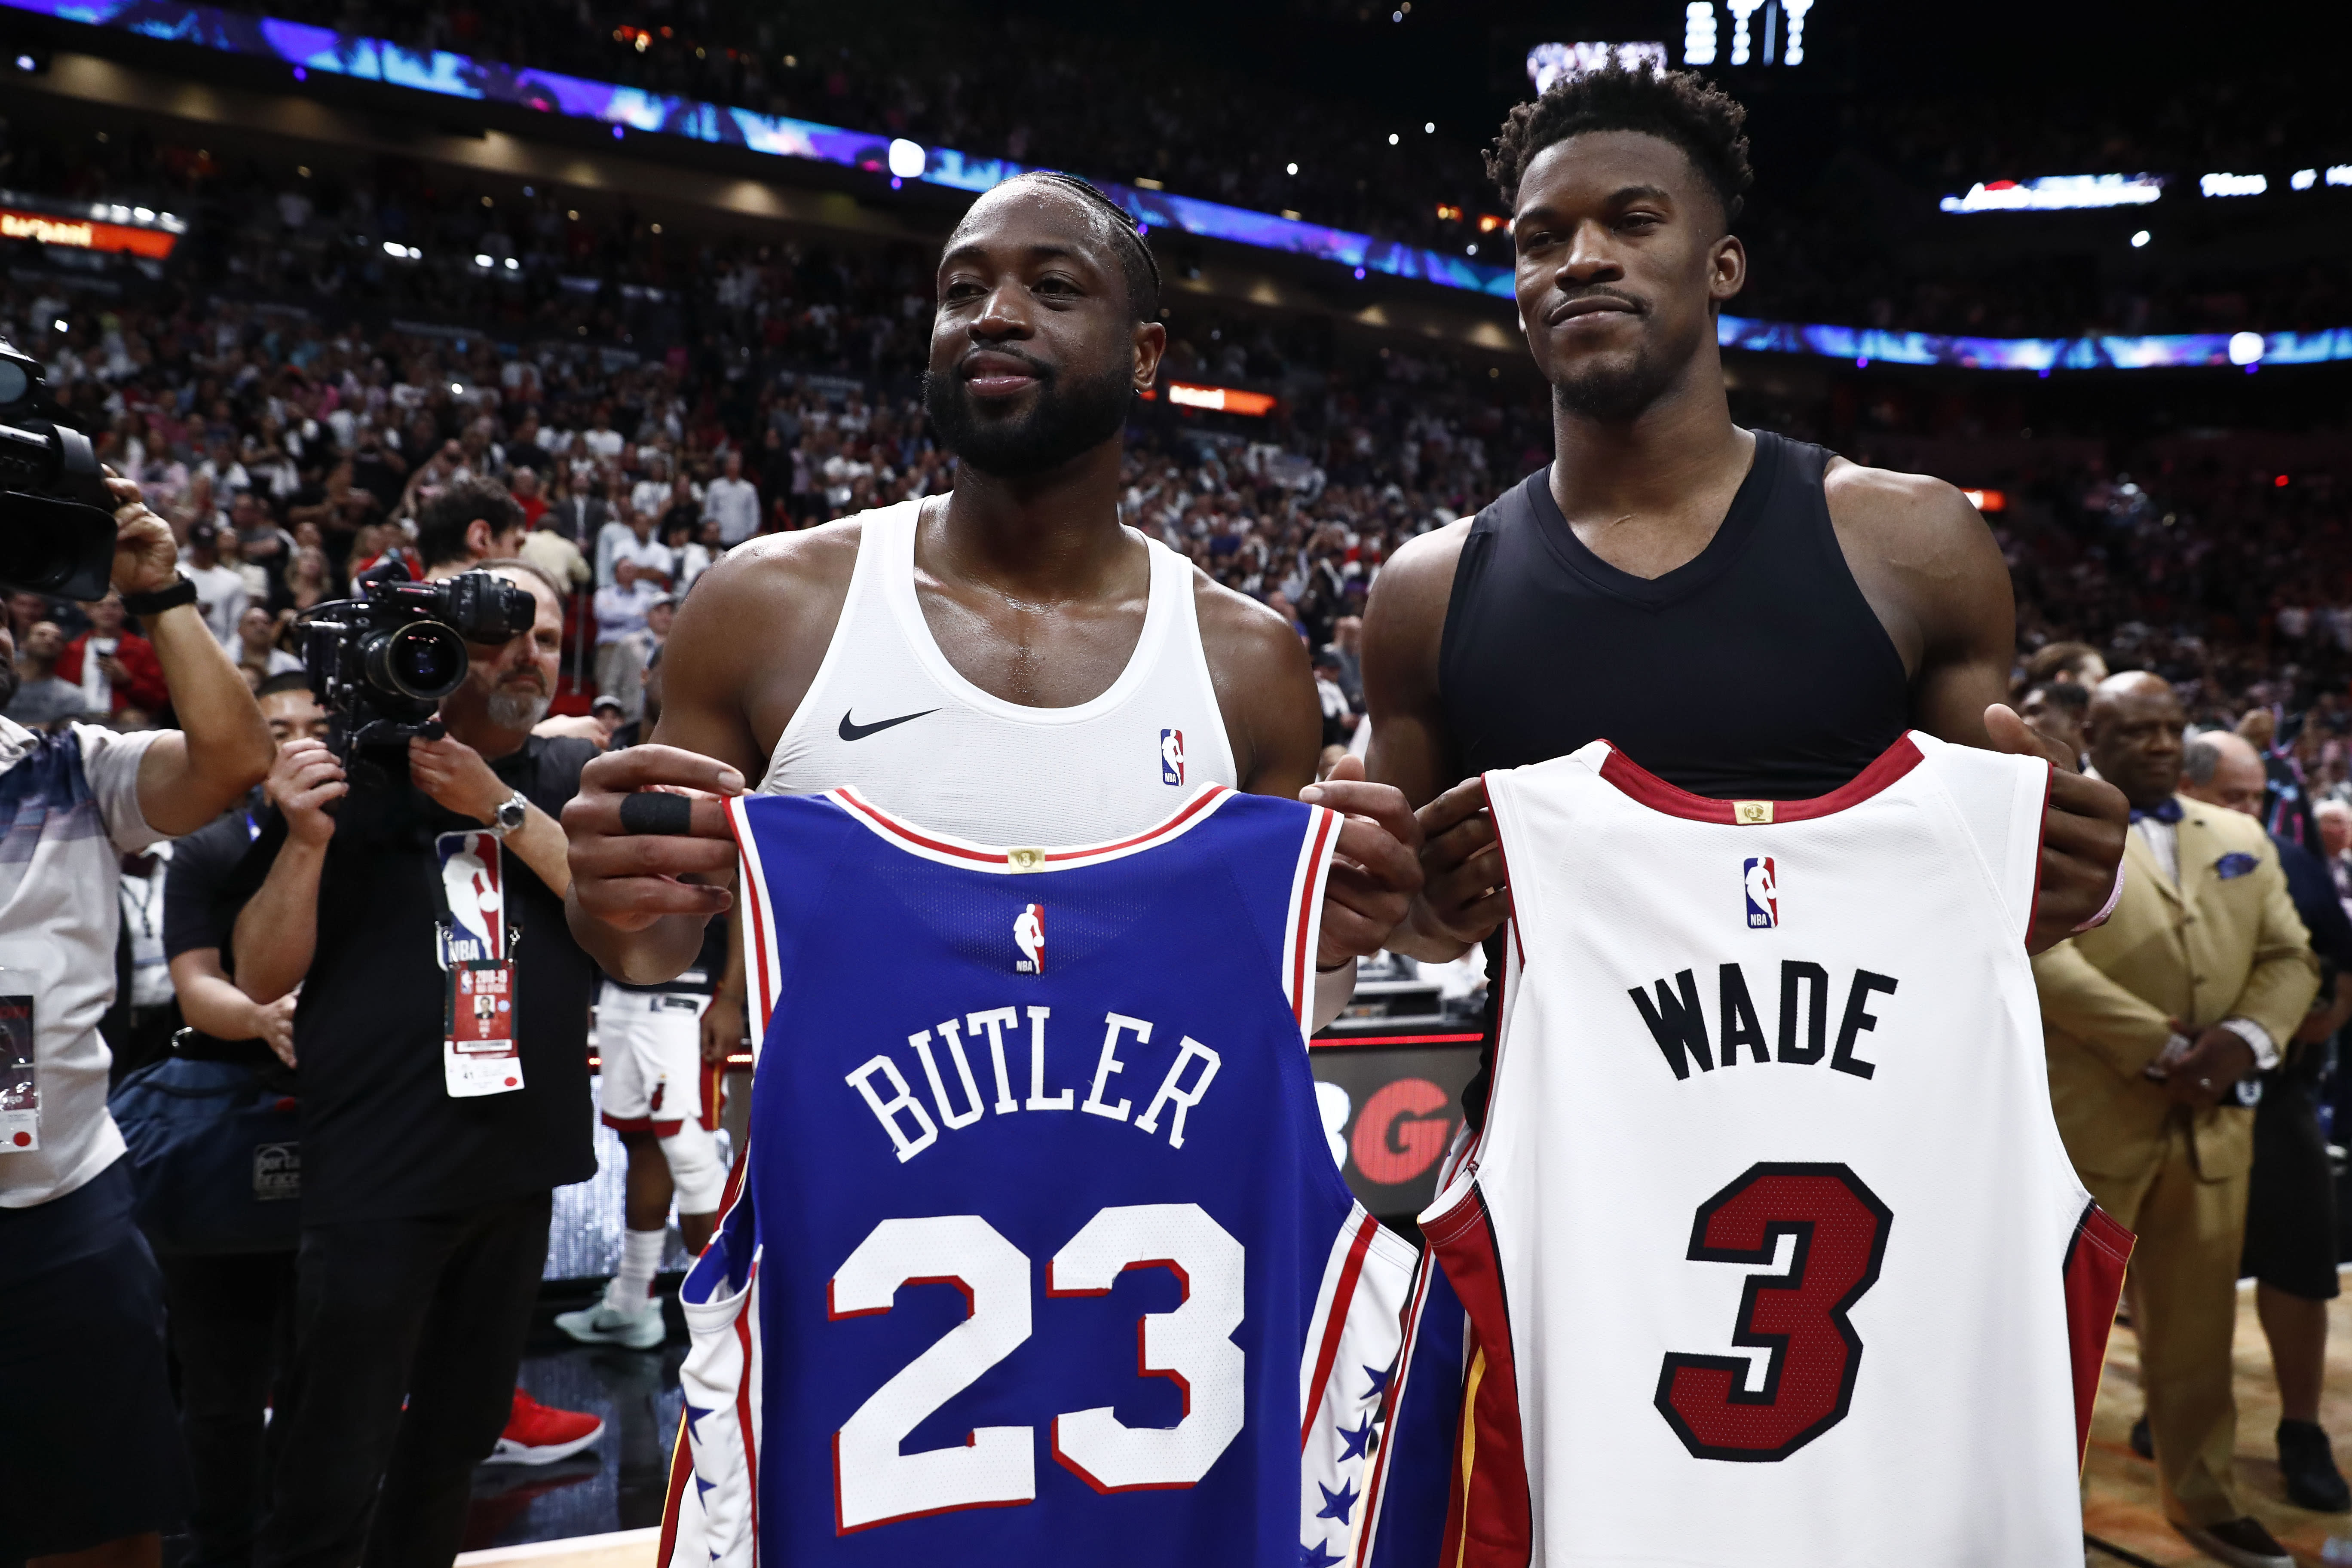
423,661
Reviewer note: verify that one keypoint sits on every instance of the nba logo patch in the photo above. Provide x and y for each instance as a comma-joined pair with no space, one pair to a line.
1171,756
1762,883
1029,936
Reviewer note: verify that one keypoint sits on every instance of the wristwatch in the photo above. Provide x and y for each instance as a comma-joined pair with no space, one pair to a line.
171,597
510,815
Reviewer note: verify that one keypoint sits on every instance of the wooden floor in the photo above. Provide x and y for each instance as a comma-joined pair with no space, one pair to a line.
2122,1507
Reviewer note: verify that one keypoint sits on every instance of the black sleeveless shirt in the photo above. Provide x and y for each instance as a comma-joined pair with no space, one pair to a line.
1756,670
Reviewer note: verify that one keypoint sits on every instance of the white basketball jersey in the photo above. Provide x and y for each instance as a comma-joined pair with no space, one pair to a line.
1771,1254
888,716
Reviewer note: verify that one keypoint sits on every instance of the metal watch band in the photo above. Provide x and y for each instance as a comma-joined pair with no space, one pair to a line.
516,807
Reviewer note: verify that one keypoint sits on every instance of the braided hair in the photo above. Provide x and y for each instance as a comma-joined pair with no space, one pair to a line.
1136,263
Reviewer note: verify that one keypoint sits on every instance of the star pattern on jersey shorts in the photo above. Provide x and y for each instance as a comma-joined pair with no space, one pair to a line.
1340,1504
1315,1555
1380,1382
1358,1441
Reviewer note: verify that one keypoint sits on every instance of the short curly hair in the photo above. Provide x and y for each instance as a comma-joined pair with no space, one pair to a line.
1679,106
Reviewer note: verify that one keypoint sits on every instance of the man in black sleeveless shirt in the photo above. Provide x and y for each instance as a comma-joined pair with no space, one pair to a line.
1746,616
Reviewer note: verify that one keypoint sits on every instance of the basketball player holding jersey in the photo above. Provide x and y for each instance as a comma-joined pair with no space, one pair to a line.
1741,614
1006,663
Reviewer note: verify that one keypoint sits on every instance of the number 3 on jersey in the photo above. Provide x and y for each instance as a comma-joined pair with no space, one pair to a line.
874,1483
1799,1317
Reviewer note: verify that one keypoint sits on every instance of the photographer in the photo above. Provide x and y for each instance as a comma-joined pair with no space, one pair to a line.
88,1441
428,1168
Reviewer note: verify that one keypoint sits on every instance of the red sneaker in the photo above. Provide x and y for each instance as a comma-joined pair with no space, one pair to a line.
537,1434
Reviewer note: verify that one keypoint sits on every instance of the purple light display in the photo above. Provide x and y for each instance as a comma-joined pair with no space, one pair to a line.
313,51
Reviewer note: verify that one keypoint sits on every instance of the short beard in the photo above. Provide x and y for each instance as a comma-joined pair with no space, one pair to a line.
1617,394
508,711
1071,416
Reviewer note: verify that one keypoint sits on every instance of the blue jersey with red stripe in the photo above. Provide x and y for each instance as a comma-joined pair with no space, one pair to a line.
1037,1252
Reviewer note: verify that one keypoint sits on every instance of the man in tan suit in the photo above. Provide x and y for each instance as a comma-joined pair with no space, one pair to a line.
2152,1020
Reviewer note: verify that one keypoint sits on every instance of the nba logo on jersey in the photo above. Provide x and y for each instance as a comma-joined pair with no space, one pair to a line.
1029,936
1171,756
1762,885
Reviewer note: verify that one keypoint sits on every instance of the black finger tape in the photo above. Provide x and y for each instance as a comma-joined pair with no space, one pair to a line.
656,811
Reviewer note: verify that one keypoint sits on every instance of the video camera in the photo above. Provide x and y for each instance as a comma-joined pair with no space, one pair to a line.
56,520
380,664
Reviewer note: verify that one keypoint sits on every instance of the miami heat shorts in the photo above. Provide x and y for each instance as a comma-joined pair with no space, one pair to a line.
651,1043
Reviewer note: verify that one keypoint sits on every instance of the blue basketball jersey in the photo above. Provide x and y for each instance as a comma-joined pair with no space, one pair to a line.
1036,1252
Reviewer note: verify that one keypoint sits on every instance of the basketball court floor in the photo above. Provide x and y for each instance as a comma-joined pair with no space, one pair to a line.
601,1509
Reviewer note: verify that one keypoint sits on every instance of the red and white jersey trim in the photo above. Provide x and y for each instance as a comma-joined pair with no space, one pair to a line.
1303,925
1012,861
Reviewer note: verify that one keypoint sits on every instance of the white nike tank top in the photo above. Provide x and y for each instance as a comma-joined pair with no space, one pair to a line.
888,716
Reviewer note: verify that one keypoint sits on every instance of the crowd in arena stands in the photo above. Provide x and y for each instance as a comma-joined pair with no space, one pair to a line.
290,399
1833,231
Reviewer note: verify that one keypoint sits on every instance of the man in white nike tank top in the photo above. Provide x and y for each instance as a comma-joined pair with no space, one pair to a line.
1007,663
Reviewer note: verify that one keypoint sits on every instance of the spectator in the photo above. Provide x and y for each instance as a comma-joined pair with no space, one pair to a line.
2335,839
467,522
307,582
547,548
578,512
1346,645
257,653
231,1314
2056,709
2286,804
89,1443
114,667
524,484
633,619
650,497
2075,662
689,556
427,1175
633,540
41,699
221,592
2291,1237
2152,1020
733,502
1339,719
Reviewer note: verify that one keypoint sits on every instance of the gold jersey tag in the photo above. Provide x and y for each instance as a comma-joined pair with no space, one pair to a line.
1751,813
1025,860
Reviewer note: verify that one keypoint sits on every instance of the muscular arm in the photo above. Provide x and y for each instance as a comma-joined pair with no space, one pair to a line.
1930,569
1463,896
742,653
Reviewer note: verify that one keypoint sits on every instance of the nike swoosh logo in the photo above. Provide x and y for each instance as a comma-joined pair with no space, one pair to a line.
850,732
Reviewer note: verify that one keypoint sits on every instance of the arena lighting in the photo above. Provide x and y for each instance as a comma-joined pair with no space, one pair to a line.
453,75
84,234
2304,179
1698,33
1220,399
2058,192
1792,53
2246,348
2141,239
1741,10
2232,184
1547,63
907,159
1987,500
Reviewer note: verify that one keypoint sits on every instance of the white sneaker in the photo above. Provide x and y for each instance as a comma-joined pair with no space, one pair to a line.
604,1324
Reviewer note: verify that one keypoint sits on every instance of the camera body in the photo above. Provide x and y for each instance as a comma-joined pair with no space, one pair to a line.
380,664
56,520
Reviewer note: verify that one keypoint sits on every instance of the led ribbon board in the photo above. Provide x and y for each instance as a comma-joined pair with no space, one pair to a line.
627,108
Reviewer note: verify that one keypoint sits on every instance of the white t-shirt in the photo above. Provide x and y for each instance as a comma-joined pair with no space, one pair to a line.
221,597
77,813
736,504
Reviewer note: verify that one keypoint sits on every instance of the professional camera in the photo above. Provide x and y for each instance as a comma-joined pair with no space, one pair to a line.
382,663
56,520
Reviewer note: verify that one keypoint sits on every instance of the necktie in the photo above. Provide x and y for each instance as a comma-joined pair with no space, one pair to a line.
2170,811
